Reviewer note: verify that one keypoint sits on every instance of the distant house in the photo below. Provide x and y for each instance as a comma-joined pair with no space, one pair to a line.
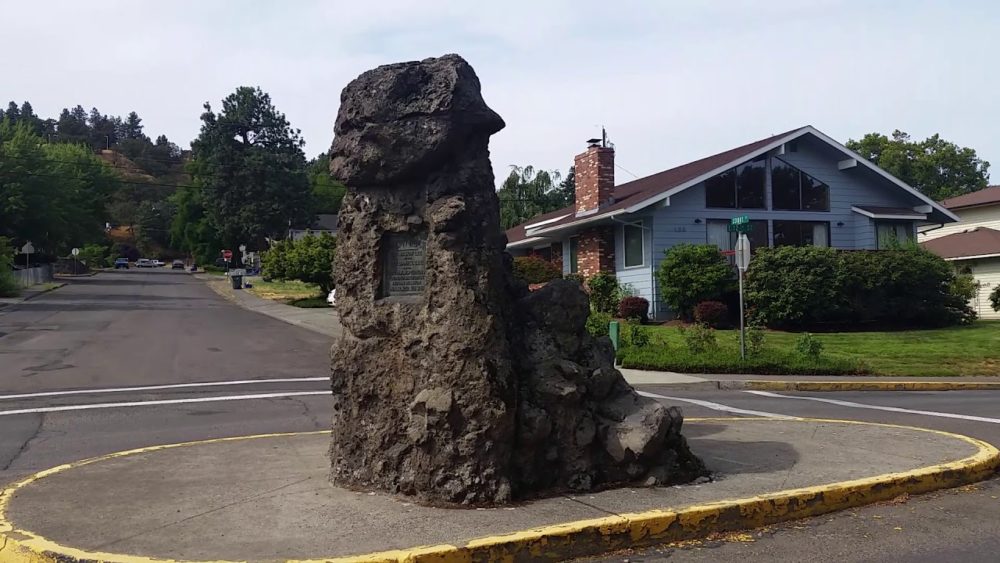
973,243
325,223
797,188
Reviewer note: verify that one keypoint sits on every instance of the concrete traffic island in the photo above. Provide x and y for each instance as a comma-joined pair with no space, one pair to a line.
269,498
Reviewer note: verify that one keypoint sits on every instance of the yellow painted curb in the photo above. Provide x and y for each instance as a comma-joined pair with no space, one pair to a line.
584,537
865,385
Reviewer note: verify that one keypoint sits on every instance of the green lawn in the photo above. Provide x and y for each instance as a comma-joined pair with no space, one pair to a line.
292,292
964,350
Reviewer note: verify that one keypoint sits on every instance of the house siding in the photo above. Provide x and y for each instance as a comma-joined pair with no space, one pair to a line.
986,216
675,223
639,277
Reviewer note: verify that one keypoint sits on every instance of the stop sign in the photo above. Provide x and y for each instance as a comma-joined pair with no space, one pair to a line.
227,254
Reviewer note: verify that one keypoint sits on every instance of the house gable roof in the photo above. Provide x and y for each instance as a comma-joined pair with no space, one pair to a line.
639,194
980,242
986,196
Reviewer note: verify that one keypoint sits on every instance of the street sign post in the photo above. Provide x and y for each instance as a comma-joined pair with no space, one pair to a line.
227,255
742,262
76,261
27,250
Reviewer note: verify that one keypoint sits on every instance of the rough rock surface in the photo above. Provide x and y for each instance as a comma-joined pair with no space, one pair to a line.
469,390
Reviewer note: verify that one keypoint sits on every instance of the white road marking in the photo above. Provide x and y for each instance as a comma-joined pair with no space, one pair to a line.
879,407
158,387
717,406
161,402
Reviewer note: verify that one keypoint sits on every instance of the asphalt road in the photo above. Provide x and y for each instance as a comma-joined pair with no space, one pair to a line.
69,361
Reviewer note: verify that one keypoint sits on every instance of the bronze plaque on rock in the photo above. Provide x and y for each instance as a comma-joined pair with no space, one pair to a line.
403,264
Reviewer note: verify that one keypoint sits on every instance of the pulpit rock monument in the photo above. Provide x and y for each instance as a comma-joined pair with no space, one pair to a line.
452,382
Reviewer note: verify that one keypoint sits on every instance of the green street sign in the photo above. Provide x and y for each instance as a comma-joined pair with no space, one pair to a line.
741,228
741,220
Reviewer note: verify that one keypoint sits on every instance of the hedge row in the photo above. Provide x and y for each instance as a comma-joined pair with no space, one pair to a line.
808,287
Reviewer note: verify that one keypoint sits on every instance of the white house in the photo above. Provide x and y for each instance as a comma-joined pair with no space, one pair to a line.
973,243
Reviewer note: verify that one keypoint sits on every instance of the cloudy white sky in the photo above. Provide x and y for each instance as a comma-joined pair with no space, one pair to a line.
671,80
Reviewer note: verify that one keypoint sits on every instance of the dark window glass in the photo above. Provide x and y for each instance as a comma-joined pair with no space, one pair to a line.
720,191
815,194
573,243
633,245
757,235
801,233
784,186
719,235
794,190
543,253
750,180
890,234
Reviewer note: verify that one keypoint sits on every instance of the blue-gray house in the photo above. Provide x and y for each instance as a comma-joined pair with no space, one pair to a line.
798,188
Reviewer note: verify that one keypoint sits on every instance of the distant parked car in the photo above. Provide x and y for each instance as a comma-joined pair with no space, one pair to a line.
144,263
177,265
158,263
121,263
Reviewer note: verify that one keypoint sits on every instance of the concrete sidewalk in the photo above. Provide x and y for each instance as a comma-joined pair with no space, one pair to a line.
269,498
28,293
323,321
733,382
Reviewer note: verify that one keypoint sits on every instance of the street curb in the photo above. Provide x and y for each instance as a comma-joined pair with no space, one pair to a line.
832,386
587,537
824,386
29,298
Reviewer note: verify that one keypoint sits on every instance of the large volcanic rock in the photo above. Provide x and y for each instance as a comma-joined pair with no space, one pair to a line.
452,382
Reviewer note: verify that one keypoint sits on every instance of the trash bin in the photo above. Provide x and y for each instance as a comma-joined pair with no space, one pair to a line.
237,282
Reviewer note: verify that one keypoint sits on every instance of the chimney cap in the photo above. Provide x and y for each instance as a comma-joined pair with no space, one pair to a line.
593,141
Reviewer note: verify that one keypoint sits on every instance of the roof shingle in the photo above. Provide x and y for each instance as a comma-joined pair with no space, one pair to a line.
980,241
985,196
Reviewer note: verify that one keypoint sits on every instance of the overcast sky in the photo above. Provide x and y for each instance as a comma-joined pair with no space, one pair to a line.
671,80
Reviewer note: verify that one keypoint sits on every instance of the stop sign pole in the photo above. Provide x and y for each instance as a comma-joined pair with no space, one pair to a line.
742,261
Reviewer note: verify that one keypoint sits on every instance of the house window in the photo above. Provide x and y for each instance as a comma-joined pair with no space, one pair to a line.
738,188
801,233
794,190
719,235
892,233
545,253
574,243
634,245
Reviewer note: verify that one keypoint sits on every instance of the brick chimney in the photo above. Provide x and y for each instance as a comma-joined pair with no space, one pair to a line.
595,177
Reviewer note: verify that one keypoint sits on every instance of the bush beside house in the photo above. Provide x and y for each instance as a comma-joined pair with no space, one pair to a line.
535,269
691,273
811,287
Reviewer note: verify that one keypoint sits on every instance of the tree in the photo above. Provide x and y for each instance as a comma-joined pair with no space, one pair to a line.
327,193
937,168
309,259
54,195
528,192
8,287
249,164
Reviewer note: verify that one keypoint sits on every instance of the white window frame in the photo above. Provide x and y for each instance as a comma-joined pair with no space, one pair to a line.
642,236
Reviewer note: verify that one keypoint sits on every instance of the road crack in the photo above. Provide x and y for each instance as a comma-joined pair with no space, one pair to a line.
26,444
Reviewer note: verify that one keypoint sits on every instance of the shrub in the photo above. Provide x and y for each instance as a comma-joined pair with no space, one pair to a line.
535,269
691,273
637,336
753,339
603,288
713,313
809,346
804,287
123,250
597,323
700,339
727,360
94,256
635,309
578,278
8,287
309,259
995,298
